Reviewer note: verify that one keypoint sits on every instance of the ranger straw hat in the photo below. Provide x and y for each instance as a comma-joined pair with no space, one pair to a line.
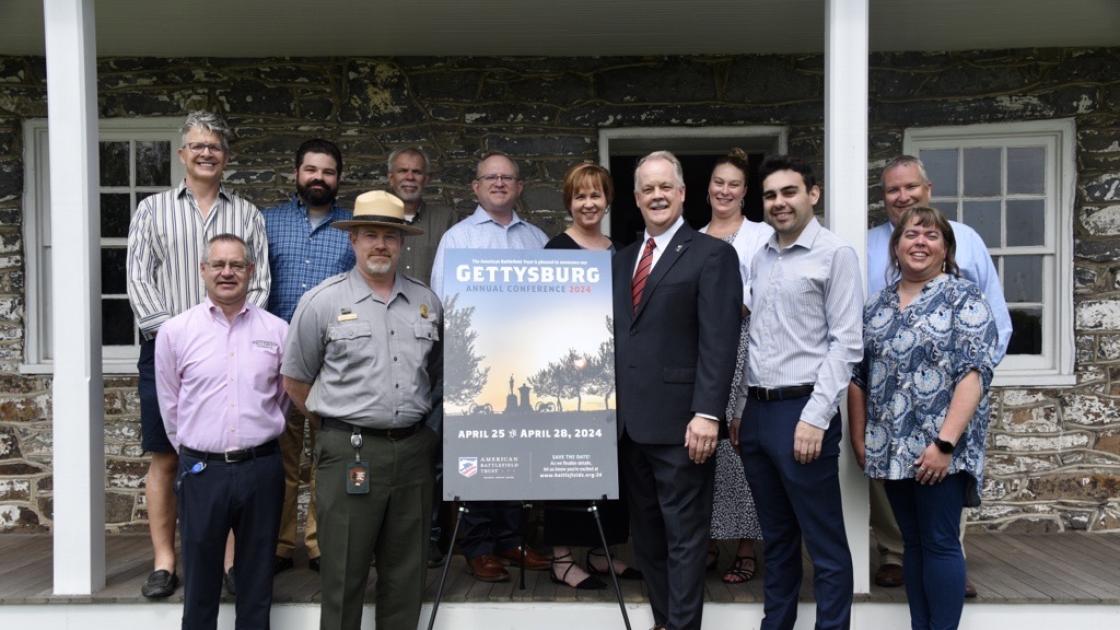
379,208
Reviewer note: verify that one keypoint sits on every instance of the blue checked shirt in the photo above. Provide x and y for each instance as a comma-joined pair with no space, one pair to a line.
300,257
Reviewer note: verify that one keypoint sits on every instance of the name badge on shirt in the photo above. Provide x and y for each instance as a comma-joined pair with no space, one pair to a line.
346,315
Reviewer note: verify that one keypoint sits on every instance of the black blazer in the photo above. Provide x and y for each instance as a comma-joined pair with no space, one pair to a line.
675,357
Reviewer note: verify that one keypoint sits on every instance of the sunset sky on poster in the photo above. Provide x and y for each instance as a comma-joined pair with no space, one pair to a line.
521,332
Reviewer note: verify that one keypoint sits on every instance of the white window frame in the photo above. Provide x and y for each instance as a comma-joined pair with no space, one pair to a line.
37,237
1055,366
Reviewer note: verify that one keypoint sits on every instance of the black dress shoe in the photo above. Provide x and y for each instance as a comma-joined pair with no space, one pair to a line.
230,584
313,564
280,564
435,555
159,584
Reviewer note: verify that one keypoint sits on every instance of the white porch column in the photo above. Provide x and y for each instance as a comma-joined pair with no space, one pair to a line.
77,390
845,191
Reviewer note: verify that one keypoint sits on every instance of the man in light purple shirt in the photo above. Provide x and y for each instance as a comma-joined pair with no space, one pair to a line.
217,371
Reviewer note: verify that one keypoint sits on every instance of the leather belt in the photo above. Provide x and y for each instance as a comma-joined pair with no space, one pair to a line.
780,393
233,457
399,433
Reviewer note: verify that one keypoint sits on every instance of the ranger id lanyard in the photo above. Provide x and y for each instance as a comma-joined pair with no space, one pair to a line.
357,472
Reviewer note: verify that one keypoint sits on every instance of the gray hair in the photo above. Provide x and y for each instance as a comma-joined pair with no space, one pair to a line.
661,155
207,121
905,160
229,238
407,151
490,154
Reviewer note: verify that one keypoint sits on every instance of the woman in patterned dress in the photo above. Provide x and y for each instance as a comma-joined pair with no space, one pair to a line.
733,511
921,408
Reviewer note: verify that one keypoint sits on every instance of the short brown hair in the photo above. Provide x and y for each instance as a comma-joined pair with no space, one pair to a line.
583,174
927,217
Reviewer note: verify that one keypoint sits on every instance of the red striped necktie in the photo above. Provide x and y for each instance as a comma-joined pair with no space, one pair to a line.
642,274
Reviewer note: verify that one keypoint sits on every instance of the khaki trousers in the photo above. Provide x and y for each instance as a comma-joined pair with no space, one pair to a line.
885,529
291,452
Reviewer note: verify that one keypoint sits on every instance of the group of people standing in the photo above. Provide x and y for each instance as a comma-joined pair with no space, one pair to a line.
734,347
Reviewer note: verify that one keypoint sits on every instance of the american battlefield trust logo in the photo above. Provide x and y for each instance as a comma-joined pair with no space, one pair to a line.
468,466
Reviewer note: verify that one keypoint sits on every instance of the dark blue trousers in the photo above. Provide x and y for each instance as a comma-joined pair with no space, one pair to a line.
929,518
490,527
797,502
245,497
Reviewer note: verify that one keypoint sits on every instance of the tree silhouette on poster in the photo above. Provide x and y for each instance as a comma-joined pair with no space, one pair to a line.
600,378
463,374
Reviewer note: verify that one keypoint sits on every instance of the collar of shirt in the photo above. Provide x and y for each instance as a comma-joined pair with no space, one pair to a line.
184,190
218,315
805,240
481,216
662,242
416,216
359,289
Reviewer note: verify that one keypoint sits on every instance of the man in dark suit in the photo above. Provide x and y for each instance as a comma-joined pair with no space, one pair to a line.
676,307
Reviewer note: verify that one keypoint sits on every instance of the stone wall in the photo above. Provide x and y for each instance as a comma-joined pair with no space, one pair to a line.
1055,453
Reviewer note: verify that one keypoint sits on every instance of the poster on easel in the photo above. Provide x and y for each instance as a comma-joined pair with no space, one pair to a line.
528,385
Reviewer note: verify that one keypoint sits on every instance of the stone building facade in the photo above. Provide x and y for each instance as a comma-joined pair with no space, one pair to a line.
1054,452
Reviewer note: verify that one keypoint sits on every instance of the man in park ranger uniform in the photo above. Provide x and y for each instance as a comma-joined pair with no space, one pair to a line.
365,358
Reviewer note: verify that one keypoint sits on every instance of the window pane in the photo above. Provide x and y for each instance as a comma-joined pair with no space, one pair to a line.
982,172
1022,278
113,270
1026,331
983,216
116,322
1025,167
116,210
947,208
941,167
153,163
114,163
1026,222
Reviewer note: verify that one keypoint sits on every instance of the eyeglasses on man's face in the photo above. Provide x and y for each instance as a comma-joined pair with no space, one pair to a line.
497,179
237,266
198,147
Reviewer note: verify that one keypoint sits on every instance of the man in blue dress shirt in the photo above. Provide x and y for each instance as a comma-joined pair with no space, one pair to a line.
304,251
906,185
492,529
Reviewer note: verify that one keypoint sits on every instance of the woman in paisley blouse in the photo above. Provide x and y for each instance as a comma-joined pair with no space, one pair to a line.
922,408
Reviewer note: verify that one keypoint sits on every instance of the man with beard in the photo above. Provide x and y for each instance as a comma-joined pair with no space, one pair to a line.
364,357
304,251
409,170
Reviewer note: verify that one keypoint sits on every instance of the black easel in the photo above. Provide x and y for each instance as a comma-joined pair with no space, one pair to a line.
593,509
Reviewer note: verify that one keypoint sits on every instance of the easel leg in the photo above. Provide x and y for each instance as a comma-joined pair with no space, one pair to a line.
446,564
594,509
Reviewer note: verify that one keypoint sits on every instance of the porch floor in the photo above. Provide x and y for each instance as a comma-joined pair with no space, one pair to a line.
1067,568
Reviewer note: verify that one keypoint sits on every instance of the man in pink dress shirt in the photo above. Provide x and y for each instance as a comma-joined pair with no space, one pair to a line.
217,369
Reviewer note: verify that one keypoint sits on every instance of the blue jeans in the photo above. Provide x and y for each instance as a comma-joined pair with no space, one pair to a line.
929,519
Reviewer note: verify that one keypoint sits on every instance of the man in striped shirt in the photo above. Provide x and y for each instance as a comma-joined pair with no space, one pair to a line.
166,241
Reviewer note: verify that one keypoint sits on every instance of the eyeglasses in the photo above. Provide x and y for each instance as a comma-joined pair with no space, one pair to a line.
497,179
199,147
237,266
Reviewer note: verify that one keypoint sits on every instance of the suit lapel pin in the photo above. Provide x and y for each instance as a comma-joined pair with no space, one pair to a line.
679,248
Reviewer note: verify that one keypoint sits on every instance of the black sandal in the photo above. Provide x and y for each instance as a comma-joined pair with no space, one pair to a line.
739,572
629,573
589,583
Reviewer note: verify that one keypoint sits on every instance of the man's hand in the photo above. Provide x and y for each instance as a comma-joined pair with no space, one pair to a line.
700,437
733,429
807,441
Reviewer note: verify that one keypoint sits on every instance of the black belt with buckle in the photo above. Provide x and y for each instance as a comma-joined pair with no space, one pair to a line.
389,434
233,457
779,393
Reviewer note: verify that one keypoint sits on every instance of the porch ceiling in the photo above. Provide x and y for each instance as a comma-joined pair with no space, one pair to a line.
257,28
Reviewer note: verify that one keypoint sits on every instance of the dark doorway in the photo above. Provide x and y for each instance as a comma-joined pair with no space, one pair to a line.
626,219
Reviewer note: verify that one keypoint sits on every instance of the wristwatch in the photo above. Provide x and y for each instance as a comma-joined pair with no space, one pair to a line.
945,446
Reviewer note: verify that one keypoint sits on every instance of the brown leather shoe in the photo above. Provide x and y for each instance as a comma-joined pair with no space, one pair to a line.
889,576
533,561
487,568
969,589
